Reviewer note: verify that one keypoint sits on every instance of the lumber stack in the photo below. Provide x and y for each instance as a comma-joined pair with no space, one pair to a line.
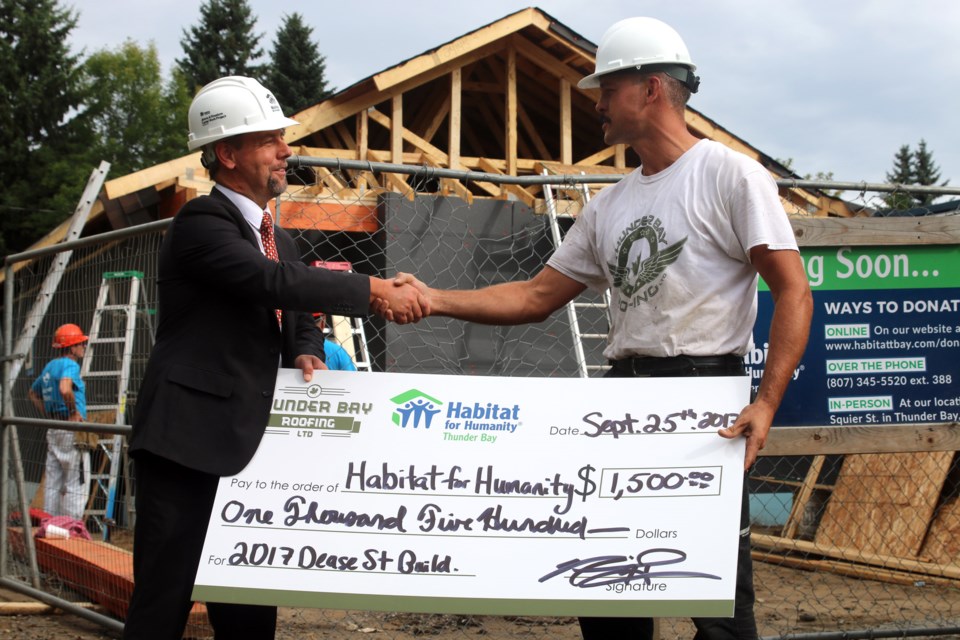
97,570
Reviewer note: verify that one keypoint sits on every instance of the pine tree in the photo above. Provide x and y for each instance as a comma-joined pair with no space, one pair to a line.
41,87
297,74
926,172
913,168
223,44
902,173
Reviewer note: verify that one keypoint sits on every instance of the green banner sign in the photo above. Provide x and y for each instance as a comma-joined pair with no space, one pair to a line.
888,267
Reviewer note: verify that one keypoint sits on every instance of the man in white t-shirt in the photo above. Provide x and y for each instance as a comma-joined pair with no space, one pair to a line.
680,243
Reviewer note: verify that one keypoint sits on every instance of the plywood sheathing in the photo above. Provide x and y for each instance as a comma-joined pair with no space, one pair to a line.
883,503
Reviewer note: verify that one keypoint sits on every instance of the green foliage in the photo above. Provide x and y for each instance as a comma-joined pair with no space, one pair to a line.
913,168
926,171
223,44
41,88
62,115
65,116
902,166
822,176
177,97
786,162
136,121
296,75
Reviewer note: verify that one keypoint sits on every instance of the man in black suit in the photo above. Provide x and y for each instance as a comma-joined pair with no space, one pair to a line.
232,309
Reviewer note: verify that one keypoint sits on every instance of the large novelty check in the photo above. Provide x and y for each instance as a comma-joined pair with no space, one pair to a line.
492,495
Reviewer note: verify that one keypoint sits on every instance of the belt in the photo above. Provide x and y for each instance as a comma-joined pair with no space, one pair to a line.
645,366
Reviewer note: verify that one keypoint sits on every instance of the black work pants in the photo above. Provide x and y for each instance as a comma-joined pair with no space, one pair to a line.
173,508
743,625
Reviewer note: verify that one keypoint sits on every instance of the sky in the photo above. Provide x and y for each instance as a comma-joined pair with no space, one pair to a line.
835,86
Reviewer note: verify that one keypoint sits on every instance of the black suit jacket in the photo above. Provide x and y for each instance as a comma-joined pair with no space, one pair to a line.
206,394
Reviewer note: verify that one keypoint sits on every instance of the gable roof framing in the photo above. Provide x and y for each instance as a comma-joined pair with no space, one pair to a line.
502,98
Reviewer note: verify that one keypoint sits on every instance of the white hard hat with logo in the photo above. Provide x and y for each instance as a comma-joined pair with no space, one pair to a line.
645,44
231,106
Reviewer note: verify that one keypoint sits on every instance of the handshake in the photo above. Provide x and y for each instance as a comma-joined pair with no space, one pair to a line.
406,299
402,299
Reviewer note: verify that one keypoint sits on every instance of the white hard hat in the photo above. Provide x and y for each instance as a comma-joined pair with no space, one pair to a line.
230,106
642,43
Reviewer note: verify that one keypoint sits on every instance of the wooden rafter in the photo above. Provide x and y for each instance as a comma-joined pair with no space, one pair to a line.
473,141
329,138
432,111
349,103
453,141
597,157
345,135
573,52
325,152
331,180
405,134
560,169
566,123
545,82
620,158
152,176
363,132
448,186
394,181
489,109
395,125
541,96
529,129
439,115
493,125
492,34
540,68
522,194
547,62
510,111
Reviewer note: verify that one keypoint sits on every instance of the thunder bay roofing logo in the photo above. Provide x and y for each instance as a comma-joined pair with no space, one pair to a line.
640,263
415,409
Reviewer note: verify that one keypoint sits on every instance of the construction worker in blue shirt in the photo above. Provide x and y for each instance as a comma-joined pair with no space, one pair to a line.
59,393
336,356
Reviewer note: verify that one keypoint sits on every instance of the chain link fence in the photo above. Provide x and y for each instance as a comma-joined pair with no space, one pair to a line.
822,567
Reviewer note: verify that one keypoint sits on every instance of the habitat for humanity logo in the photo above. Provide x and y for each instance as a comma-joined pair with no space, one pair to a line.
415,409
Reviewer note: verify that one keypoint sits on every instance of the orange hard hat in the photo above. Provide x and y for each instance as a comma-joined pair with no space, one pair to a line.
68,335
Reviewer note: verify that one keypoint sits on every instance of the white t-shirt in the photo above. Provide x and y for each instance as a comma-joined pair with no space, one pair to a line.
674,250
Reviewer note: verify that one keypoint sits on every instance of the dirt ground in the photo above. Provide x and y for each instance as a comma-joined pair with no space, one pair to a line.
789,601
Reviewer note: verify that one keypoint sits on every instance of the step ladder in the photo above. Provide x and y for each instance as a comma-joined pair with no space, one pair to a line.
106,371
348,331
574,308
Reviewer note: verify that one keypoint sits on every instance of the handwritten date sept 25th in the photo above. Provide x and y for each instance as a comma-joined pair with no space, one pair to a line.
686,420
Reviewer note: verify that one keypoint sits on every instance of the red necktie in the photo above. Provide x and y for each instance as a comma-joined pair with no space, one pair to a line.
270,246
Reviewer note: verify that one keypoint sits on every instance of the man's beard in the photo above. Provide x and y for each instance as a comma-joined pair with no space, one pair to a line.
276,186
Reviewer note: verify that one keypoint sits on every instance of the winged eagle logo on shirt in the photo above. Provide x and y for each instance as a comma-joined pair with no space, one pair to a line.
632,276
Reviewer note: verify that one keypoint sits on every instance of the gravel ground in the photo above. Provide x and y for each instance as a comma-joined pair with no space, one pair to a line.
790,601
